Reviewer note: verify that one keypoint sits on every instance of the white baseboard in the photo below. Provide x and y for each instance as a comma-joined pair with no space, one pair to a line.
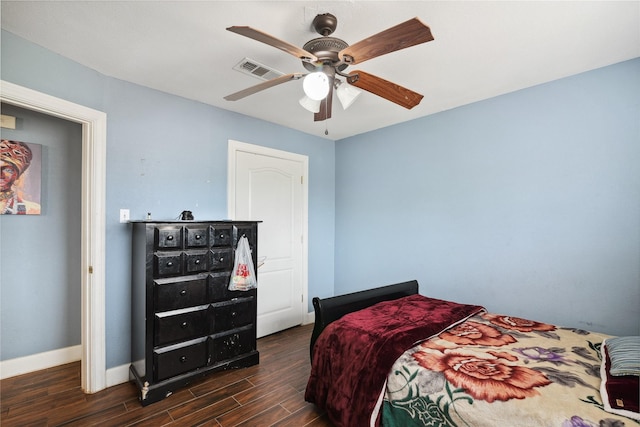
310,318
118,375
48,359
37,362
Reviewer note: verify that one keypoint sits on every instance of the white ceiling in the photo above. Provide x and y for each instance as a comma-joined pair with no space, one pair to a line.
481,48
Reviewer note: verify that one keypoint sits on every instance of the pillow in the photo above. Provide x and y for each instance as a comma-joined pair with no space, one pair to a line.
625,355
620,394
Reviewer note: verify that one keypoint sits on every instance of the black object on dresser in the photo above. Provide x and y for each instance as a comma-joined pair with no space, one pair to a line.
185,321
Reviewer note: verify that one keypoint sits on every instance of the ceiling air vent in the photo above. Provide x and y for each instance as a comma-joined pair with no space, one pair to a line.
256,69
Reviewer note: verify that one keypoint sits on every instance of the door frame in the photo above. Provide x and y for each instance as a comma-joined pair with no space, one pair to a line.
236,146
94,149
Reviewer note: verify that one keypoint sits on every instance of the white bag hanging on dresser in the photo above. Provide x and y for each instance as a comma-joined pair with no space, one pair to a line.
243,276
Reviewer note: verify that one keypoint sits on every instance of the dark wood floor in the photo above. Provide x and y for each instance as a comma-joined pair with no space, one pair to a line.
269,394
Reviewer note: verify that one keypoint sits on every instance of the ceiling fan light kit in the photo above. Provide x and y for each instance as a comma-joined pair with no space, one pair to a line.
327,57
310,104
347,94
316,85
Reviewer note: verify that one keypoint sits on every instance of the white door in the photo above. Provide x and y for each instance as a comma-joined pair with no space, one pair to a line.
270,186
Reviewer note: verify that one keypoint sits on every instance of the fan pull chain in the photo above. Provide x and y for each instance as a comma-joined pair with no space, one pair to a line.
326,112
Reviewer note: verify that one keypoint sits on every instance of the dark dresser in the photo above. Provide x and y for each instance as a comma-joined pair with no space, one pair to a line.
185,322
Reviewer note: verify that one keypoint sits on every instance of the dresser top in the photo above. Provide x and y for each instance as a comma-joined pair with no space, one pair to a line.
181,221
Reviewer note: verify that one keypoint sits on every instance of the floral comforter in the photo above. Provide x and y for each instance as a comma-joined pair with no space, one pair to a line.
494,370
353,355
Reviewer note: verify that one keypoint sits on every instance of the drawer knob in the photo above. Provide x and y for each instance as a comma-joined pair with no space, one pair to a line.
170,237
183,359
184,325
196,262
169,264
234,314
198,237
221,259
183,292
222,236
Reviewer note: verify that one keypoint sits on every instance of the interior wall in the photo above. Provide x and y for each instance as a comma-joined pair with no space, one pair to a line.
40,264
528,203
166,154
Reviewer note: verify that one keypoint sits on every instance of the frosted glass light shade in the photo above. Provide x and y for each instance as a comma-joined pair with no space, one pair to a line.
310,104
347,94
316,85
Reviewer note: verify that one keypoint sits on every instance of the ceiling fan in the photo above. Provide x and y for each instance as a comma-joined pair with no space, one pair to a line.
327,57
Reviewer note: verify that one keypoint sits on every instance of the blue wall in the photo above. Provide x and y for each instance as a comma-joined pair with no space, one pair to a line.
164,154
40,254
528,203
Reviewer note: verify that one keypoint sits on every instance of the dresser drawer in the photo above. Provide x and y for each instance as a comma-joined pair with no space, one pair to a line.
197,236
178,359
232,345
231,316
171,294
246,231
180,325
221,259
196,261
219,288
167,263
221,235
168,237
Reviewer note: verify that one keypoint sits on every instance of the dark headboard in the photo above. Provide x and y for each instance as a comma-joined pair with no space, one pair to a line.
329,309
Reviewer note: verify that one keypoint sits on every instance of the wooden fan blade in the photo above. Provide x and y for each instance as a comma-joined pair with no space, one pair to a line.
407,34
325,108
385,89
273,41
262,86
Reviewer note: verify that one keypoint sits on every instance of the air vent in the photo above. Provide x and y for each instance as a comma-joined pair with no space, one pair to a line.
256,69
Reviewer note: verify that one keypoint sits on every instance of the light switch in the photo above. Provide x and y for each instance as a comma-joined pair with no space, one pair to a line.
124,215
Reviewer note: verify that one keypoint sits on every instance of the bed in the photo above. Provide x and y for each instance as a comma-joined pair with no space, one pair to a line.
393,357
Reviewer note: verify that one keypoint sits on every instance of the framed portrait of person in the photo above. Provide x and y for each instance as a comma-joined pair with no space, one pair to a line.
20,178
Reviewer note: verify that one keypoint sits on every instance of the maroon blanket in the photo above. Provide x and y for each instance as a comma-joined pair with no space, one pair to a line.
354,354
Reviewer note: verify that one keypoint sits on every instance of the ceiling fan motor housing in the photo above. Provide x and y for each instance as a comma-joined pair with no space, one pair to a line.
326,50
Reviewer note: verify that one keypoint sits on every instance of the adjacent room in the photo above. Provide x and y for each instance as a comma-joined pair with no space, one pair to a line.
487,150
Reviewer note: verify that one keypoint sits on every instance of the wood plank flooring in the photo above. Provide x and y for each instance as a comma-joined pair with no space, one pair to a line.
268,394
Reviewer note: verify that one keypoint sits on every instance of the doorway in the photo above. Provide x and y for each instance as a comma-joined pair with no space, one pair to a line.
94,143
270,185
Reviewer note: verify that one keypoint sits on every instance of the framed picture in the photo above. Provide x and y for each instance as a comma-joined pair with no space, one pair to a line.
20,177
